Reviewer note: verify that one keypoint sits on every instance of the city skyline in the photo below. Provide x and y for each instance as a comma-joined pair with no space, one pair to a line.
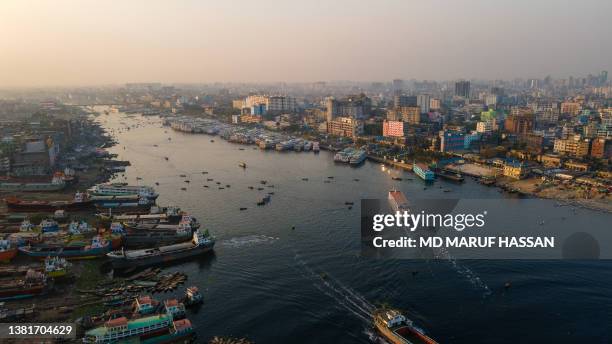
68,43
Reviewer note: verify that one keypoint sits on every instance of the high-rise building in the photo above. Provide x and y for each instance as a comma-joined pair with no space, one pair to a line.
423,101
394,128
434,104
356,106
398,86
345,126
462,89
519,123
403,100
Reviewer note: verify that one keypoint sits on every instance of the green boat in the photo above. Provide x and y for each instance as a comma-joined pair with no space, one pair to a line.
154,329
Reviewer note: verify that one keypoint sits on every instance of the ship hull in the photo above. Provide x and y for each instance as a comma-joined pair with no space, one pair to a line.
124,263
22,293
8,255
22,206
72,254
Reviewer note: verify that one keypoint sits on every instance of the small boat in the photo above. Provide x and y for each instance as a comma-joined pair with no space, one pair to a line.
7,251
156,183
242,164
166,158
192,297
204,172
396,178
184,189
305,179
396,329
186,181
212,140
209,179
182,175
243,208
349,203
264,182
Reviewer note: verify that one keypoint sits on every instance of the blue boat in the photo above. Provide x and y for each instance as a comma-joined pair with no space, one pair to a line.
98,248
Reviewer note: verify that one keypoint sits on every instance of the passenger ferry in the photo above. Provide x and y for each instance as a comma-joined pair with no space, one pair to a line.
396,329
110,189
146,330
423,172
357,157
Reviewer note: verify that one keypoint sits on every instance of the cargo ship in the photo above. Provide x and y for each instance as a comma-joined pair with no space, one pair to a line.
98,248
32,284
79,202
118,189
398,201
423,172
201,243
146,330
142,235
169,214
7,251
57,183
396,329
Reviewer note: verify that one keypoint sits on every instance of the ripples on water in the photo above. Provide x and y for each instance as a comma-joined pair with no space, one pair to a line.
275,284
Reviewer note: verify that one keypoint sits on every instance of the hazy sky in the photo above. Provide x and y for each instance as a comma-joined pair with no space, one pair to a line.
66,42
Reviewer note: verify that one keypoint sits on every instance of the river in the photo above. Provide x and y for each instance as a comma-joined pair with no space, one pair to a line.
273,283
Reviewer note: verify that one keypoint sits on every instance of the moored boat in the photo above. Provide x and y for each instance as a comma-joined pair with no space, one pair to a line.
32,284
98,248
7,251
79,202
201,243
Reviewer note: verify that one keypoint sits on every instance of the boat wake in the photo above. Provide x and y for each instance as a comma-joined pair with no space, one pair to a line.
464,271
249,240
343,295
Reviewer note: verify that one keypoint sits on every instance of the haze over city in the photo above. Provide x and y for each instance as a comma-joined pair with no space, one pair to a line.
59,43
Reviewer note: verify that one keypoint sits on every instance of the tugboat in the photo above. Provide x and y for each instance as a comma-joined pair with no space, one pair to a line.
396,329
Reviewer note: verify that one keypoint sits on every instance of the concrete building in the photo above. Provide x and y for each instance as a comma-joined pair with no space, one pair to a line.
601,148
462,89
356,106
574,146
521,123
451,140
345,126
394,128
423,101
515,169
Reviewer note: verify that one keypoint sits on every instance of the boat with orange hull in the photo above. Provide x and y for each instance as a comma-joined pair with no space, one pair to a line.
7,251
80,202
396,329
